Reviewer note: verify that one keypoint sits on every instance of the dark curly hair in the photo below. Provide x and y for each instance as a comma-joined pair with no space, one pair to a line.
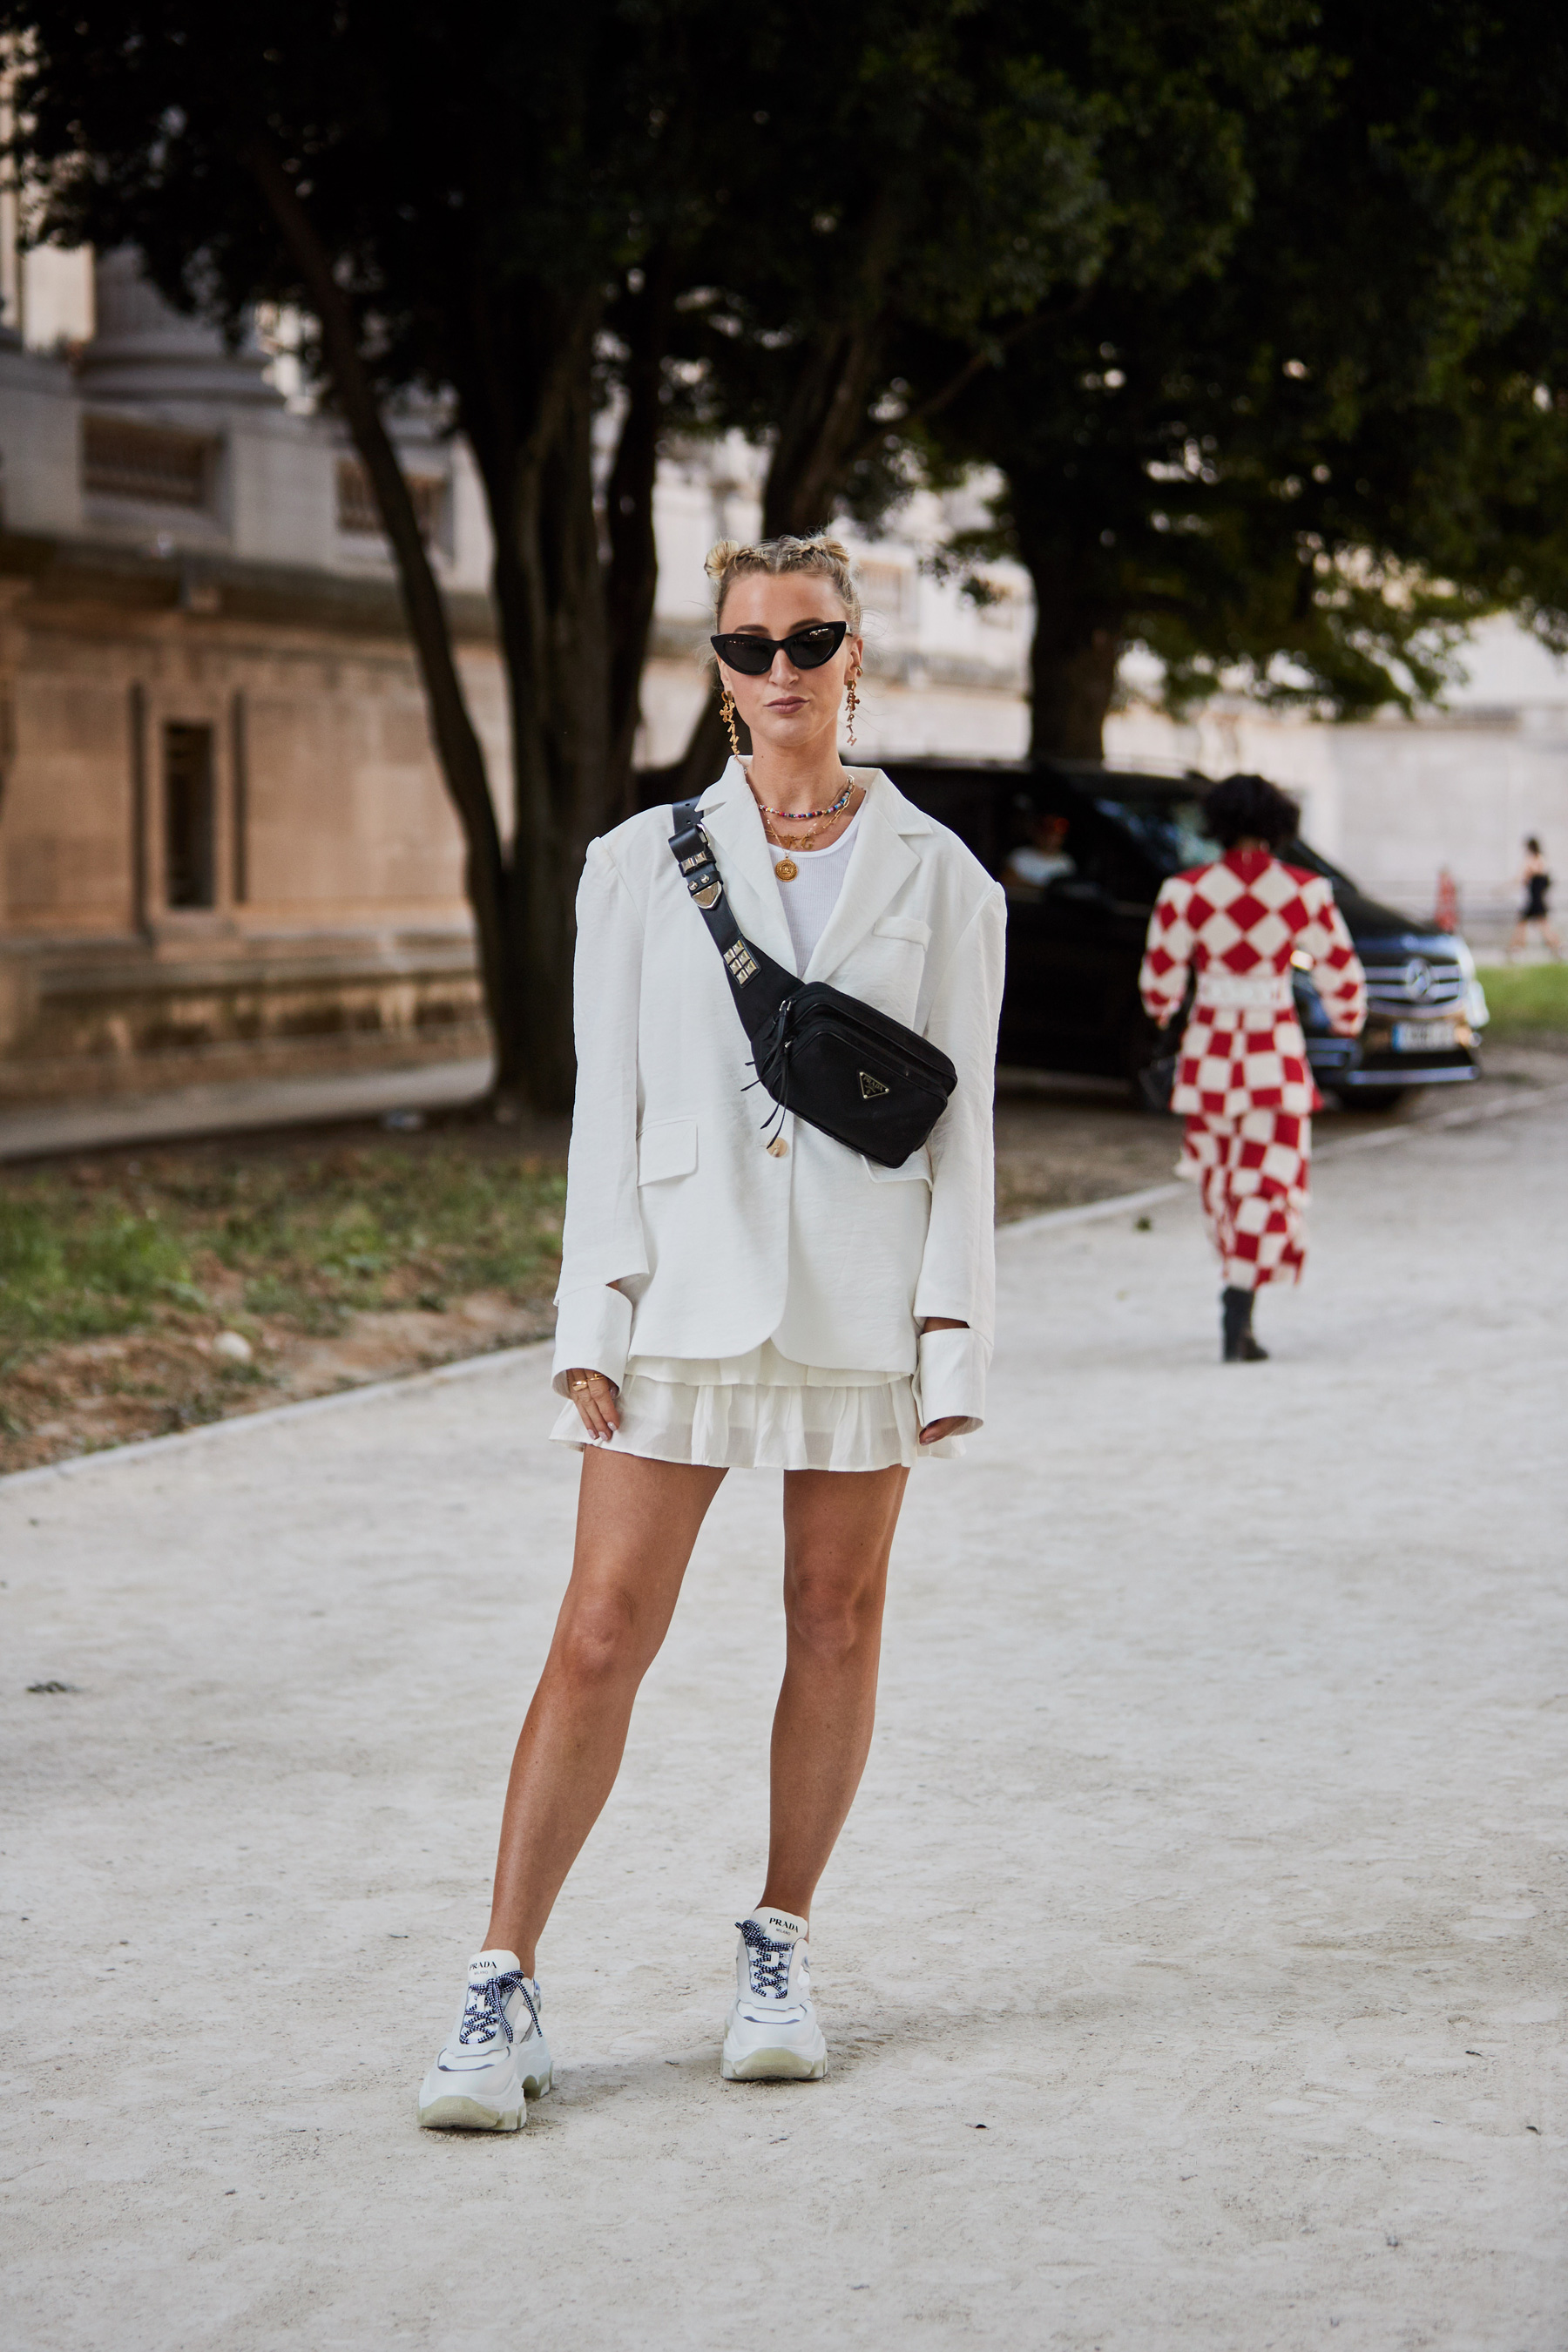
1250,808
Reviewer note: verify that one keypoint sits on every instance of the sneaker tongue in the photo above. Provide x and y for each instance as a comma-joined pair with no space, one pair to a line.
783,1926
493,1964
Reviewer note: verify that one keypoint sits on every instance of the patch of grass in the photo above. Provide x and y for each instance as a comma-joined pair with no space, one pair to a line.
1526,997
104,1265
107,1247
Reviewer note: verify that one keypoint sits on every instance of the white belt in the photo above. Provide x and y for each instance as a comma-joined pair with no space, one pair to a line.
1262,991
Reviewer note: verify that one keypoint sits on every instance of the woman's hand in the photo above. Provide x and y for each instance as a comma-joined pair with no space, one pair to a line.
935,1431
595,1399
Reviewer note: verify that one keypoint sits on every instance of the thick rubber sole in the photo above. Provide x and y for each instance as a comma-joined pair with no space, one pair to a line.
773,2066
454,2114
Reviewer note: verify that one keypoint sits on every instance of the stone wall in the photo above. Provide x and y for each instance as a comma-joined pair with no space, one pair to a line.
334,931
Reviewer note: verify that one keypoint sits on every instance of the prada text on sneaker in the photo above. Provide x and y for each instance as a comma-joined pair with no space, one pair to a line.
497,2057
772,2034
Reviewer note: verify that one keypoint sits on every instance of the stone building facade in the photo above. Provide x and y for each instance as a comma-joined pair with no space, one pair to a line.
224,844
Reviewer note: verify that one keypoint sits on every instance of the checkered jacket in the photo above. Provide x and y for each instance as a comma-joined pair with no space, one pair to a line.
1237,925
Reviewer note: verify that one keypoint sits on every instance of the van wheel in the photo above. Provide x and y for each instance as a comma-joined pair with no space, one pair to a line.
1368,1098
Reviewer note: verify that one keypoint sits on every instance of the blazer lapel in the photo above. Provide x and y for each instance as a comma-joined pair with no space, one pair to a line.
730,819
880,863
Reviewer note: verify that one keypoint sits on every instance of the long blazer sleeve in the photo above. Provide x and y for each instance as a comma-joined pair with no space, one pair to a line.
958,1269
1337,973
1167,951
602,1241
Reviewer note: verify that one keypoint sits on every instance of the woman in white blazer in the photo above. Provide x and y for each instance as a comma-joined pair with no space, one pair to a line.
739,1290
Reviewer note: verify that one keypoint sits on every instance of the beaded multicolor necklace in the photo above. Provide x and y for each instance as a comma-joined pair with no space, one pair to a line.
785,868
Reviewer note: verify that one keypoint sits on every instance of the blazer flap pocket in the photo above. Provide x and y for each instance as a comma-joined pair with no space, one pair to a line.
916,1168
667,1148
903,927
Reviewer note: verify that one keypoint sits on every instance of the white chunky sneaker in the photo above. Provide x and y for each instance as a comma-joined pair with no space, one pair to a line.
772,2035
497,2058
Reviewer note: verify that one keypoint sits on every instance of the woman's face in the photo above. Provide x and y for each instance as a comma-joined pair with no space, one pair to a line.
789,708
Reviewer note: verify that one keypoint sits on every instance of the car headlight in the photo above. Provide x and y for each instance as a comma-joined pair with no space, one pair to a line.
1466,961
1477,1011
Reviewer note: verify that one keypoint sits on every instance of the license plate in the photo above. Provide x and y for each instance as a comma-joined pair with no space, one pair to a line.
1422,1037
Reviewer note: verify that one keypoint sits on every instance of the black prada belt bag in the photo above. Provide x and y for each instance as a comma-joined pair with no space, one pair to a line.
841,1065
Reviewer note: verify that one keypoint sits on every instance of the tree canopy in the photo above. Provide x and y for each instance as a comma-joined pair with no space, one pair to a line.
1310,463
1052,149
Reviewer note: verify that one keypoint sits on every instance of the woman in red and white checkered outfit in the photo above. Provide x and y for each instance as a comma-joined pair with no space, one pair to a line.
1243,1081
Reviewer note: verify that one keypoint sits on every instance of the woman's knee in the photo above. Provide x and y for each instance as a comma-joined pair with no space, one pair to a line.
599,1642
829,1619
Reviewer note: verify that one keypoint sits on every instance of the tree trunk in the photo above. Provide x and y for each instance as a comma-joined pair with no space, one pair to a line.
633,581
456,743
1072,661
549,593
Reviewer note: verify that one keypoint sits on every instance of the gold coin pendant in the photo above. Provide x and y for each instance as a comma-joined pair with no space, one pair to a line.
786,869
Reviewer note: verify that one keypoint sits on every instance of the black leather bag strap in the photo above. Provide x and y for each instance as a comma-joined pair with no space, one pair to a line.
757,984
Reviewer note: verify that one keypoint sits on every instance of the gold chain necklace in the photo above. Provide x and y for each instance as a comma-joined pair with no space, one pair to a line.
785,867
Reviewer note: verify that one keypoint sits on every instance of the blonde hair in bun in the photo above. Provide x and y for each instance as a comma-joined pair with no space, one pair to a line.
729,562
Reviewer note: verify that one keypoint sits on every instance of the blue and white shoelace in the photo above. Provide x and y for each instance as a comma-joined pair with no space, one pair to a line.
767,1963
484,2012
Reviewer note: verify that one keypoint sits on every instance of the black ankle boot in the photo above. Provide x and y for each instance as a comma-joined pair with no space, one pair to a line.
1239,1346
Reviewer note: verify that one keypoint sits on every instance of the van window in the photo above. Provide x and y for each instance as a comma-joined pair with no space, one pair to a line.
1042,851
1171,833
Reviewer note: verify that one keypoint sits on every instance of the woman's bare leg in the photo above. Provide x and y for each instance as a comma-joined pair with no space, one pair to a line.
838,1536
636,1523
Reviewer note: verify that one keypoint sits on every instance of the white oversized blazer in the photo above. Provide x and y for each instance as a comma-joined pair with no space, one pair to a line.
714,1245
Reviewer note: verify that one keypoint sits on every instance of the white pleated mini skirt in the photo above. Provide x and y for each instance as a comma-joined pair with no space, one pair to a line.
762,1411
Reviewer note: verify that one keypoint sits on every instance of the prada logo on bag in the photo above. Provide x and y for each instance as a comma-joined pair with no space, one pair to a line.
742,968
870,1087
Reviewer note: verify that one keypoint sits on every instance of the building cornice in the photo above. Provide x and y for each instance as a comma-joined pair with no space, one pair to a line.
61,572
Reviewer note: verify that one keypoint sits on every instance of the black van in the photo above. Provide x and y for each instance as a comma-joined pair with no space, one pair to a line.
1082,850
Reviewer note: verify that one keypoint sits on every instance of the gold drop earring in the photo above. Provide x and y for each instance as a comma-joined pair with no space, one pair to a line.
851,705
727,713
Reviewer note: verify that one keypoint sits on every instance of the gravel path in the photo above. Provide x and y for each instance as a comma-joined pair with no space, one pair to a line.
1192,1966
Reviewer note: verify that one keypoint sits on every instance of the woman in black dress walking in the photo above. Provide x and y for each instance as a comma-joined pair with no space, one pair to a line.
1536,883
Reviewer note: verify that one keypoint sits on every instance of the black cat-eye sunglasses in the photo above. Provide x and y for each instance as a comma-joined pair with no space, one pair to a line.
807,649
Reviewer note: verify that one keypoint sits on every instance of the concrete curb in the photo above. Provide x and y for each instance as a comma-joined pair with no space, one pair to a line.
466,1367
223,1107
178,1439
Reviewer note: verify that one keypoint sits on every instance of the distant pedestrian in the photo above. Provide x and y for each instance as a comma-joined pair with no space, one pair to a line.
1243,1081
1535,881
1445,915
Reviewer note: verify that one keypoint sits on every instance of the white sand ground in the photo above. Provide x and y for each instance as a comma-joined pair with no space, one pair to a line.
1193,1965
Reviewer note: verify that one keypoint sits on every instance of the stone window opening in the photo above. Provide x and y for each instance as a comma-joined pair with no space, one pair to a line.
151,464
359,515
190,866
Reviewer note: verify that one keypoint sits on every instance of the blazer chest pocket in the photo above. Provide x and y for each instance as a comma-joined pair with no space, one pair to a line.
902,927
667,1148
